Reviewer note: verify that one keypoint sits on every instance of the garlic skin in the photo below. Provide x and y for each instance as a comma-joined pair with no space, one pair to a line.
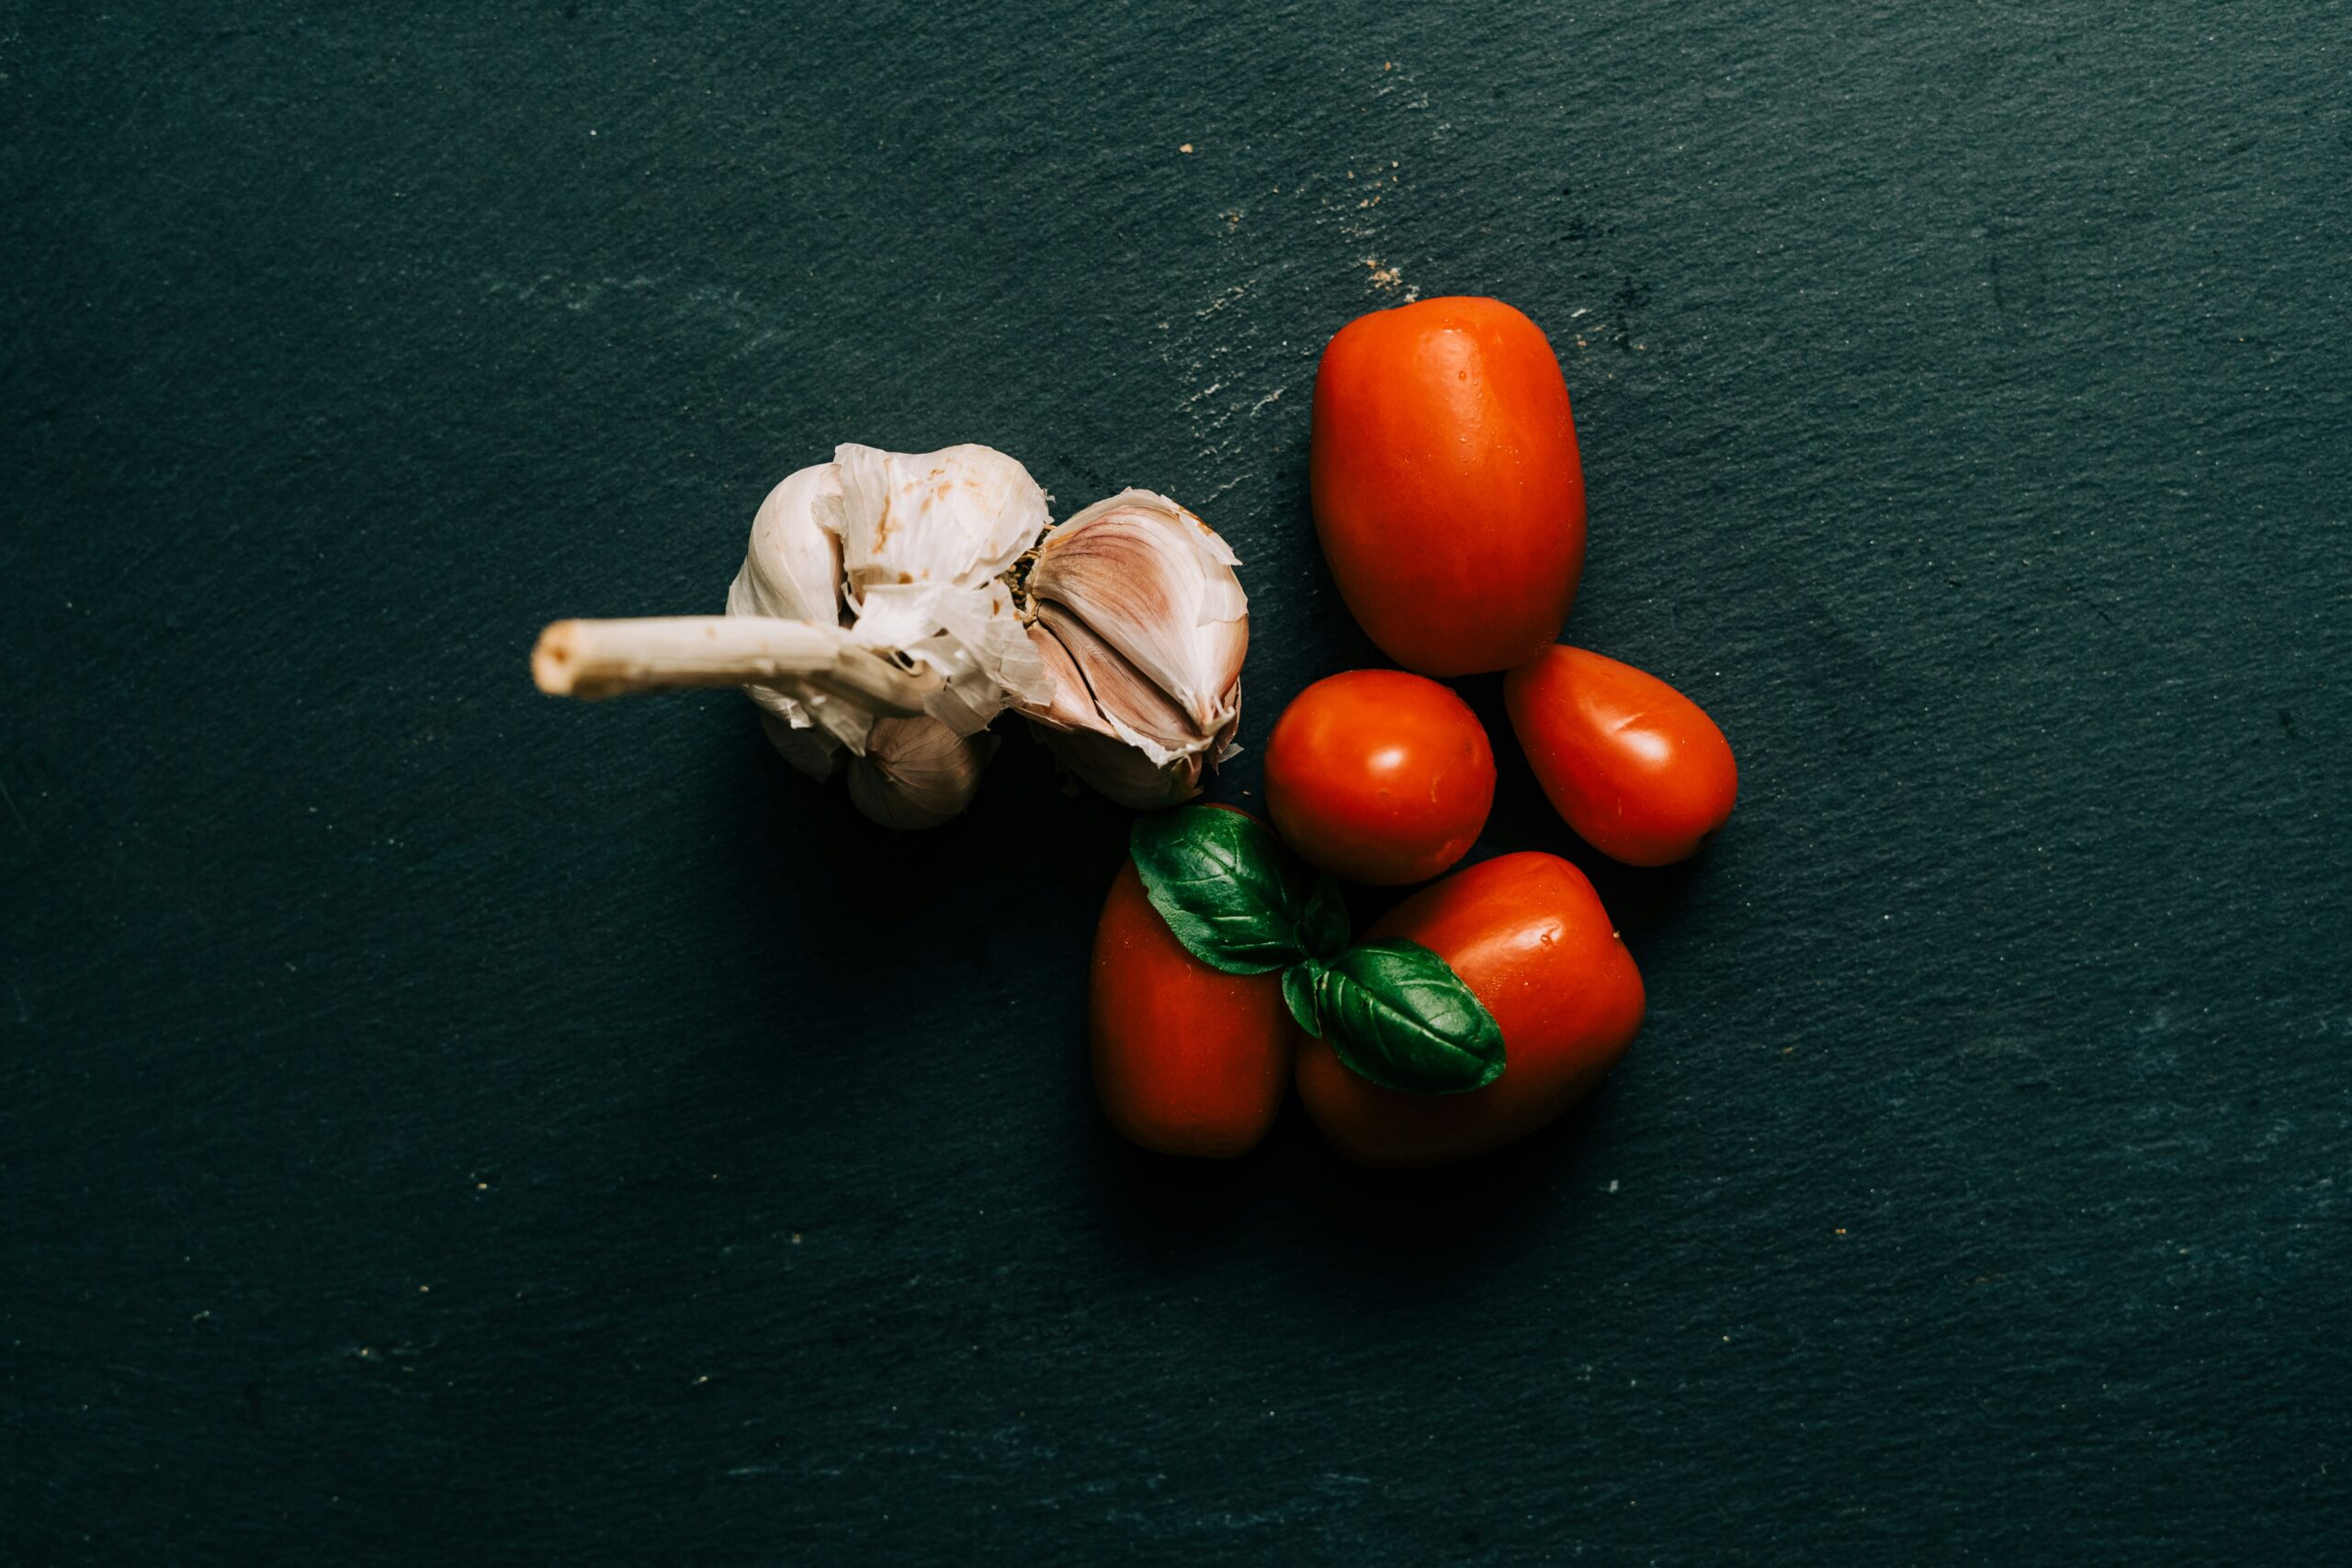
905,551
1141,624
793,571
960,515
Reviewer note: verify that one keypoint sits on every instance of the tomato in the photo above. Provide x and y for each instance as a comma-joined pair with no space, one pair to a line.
1379,776
1188,1060
1527,934
1446,487
1639,770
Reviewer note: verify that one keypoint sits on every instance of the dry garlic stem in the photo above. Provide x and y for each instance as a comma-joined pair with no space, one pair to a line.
606,659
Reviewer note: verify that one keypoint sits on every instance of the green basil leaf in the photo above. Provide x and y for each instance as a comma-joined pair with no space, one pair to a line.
1323,925
1397,1014
1298,995
1220,881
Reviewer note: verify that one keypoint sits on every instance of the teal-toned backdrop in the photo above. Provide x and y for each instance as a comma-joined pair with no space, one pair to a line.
442,1124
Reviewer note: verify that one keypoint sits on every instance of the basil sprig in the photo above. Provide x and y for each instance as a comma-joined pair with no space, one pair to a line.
1393,1010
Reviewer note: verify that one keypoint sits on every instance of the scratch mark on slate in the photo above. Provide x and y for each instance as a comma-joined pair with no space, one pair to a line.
22,826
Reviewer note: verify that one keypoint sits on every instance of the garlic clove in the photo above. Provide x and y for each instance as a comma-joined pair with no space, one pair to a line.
1141,626
1093,740
1126,704
1069,705
1157,584
1122,772
917,773
959,516
1118,771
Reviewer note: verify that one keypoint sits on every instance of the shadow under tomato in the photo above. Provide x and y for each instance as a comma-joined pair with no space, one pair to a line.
1333,1219
1639,898
1455,1205
1168,1195
784,845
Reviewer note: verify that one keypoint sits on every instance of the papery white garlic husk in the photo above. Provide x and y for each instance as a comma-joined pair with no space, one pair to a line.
1141,624
904,552
961,515
916,772
793,571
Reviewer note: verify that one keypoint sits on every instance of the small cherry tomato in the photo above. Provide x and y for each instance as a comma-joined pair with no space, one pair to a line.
1379,776
1188,1060
1527,934
1639,770
1446,487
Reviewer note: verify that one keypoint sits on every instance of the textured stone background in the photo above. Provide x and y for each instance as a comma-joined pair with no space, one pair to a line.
442,1124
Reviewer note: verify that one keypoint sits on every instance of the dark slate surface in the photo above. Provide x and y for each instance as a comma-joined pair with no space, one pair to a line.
442,1124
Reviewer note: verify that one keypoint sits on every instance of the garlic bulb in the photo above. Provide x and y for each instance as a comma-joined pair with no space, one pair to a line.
891,605
1142,625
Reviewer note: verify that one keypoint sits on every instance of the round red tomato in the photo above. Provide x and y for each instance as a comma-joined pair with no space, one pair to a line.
1639,770
1379,776
1447,491
1188,1060
1527,934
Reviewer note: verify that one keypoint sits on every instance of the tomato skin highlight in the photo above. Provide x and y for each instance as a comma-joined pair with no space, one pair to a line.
1447,491
1379,776
1637,769
1529,936
1188,1060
